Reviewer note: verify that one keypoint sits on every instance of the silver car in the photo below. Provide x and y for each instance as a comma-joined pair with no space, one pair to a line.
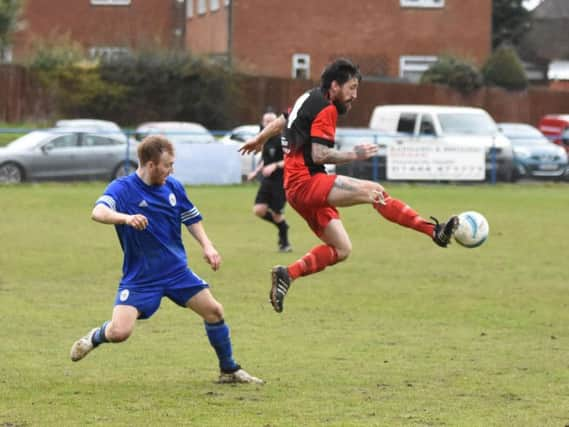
66,153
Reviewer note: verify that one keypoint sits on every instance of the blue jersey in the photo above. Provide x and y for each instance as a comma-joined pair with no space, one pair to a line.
156,254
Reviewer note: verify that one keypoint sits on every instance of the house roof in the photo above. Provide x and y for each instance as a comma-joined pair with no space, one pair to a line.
552,9
550,29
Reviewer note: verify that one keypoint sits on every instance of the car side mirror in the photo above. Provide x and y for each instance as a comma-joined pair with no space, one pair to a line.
46,148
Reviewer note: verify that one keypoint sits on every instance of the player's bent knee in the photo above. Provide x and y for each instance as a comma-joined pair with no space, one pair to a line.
259,210
343,253
119,334
214,313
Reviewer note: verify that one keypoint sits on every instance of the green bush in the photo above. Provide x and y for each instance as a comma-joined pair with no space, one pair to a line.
505,69
454,72
140,87
173,86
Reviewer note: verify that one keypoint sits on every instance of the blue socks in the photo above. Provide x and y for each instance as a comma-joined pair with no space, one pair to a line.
218,334
99,335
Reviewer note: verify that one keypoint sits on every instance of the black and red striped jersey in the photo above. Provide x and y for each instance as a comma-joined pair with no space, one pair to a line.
312,120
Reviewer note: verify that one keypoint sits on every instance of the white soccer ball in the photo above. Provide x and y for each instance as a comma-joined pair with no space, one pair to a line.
472,229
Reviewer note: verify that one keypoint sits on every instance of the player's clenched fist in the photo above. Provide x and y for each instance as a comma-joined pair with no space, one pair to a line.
139,222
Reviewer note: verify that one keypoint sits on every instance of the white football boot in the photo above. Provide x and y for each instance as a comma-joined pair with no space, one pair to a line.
239,376
82,346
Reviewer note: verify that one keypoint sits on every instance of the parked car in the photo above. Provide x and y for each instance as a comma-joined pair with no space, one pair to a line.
447,125
101,126
534,154
66,153
176,132
556,128
374,169
238,136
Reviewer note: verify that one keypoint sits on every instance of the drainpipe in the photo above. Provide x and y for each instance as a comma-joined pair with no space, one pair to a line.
230,34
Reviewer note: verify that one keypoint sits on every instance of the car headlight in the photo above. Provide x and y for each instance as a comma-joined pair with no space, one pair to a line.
522,153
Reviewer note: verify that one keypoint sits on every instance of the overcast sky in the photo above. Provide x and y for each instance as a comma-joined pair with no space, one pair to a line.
530,4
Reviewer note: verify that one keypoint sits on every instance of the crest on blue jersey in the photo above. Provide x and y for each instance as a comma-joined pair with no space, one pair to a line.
172,199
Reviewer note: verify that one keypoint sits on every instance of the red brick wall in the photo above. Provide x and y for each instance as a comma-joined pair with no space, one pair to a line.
374,33
208,33
143,23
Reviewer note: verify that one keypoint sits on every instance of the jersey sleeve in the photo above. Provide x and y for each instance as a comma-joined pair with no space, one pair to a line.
323,129
189,213
112,196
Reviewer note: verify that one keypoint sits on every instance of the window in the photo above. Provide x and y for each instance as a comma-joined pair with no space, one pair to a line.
413,67
64,141
6,55
227,2
110,2
189,8
201,7
90,140
423,3
407,123
108,53
213,5
300,66
427,126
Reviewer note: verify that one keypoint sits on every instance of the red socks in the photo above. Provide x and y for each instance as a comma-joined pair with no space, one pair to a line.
314,261
398,212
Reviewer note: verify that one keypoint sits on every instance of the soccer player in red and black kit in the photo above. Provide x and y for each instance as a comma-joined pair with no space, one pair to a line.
308,144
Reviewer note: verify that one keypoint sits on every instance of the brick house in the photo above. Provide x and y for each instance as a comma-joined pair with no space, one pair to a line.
296,38
103,27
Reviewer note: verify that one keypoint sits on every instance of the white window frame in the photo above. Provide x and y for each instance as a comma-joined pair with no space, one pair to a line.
111,2
415,64
423,3
213,5
202,7
300,62
189,8
6,57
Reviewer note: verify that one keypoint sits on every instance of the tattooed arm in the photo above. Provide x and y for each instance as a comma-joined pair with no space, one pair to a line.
322,154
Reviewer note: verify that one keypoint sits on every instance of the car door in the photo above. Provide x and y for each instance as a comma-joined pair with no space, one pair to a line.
57,157
99,154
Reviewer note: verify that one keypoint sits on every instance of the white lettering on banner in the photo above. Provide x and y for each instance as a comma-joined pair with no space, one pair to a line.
433,161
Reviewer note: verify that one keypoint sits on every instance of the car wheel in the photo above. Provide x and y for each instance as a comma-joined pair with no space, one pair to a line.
123,169
11,173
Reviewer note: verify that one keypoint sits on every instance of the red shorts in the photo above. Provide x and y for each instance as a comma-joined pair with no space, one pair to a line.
310,199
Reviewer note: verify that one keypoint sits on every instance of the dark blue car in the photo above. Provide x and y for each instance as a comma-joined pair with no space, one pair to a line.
534,155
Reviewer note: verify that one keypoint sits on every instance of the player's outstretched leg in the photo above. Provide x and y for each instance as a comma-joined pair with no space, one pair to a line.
279,287
444,231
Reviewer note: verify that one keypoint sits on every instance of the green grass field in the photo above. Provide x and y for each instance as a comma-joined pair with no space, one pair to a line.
402,334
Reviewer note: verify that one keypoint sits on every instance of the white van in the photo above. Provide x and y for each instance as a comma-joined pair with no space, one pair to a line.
447,124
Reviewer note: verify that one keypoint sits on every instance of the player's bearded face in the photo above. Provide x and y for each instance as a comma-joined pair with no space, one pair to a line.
162,169
345,95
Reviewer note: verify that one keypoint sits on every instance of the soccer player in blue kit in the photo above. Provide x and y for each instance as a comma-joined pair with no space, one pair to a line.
148,209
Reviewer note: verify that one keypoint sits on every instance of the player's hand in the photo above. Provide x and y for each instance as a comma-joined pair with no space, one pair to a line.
212,257
251,176
365,151
252,145
138,221
269,169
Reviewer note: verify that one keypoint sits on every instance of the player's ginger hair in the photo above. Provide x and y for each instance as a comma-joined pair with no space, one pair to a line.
152,147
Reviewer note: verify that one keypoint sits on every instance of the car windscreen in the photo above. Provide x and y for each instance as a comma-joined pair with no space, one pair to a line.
523,135
467,124
29,140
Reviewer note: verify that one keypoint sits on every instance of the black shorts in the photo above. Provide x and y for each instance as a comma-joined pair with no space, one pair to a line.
271,193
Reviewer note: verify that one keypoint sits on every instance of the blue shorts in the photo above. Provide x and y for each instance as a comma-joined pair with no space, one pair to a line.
146,299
